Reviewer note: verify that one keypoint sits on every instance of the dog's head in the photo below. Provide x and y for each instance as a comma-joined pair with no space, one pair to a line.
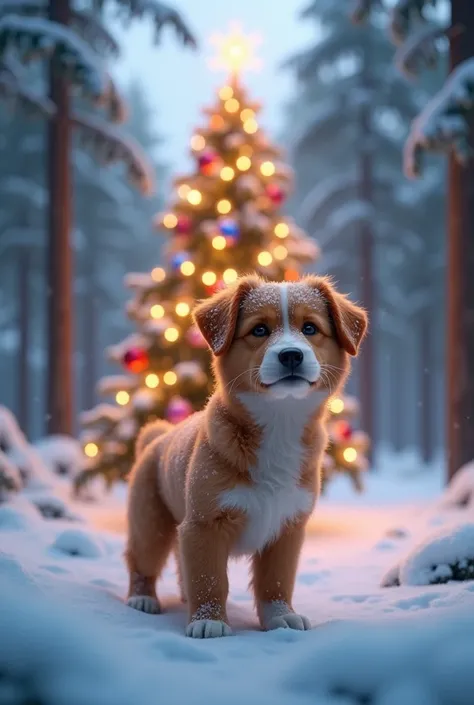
281,339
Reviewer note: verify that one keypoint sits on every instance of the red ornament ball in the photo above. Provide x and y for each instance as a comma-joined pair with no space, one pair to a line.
183,226
344,430
178,410
214,288
208,162
195,338
136,360
275,193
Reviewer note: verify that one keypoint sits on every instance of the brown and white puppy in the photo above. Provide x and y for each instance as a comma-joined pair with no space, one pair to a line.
241,477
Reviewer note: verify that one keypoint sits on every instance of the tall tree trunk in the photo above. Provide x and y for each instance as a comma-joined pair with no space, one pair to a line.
90,339
24,326
460,353
60,396
426,375
366,239
397,398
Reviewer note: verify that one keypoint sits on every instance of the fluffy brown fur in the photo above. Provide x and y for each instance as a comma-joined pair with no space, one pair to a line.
207,486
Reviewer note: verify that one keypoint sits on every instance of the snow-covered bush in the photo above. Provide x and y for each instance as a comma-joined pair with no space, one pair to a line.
460,492
62,455
10,480
441,557
51,507
10,434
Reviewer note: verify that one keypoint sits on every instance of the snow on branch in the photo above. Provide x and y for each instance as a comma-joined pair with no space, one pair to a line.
160,14
110,146
404,14
86,23
34,37
420,50
444,123
324,193
13,89
115,383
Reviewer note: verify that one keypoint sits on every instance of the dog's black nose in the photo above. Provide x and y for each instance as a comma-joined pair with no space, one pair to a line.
291,358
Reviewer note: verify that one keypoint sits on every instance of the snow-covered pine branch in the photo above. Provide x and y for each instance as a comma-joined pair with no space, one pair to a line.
444,123
110,146
404,14
160,14
115,383
324,193
87,25
420,50
117,108
13,90
34,38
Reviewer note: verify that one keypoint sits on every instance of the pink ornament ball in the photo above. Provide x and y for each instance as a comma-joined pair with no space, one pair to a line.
195,338
275,193
178,410
183,226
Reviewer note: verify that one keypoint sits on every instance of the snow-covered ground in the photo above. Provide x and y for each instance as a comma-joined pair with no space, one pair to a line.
70,635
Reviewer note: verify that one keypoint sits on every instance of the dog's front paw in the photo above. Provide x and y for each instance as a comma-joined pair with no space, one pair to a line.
144,603
289,621
207,629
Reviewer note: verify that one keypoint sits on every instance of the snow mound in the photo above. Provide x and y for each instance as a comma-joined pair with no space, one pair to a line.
14,518
77,543
10,479
440,558
54,657
10,434
61,454
460,492
34,474
351,664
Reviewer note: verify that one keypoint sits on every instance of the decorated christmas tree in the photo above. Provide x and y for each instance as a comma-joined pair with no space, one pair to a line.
224,219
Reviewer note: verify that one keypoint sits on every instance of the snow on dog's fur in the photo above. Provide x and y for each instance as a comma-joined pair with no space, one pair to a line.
241,477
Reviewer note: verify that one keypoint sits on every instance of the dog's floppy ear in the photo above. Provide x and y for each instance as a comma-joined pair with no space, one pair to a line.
216,317
350,321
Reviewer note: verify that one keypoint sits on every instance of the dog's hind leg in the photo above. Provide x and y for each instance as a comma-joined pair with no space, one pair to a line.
151,532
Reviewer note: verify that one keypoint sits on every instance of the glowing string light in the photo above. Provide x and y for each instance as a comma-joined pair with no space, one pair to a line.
122,398
91,450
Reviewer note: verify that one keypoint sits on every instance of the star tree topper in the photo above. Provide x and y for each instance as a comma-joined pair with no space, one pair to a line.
235,51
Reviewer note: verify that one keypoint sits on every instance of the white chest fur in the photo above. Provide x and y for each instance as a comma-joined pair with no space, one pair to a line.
275,496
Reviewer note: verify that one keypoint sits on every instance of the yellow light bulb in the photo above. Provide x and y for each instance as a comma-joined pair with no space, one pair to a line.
229,276
280,252
91,450
170,220
282,230
187,268
171,335
247,114
226,92
170,378
194,197
198,143
349,455
243,163
336,406
219,242
217,122
224,206
232,105
182,309
251,126
122,398
209,278
158,274
157,311
183,190
227,173
152,380
267,168
265,259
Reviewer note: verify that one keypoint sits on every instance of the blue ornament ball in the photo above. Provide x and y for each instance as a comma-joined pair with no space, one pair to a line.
178,258
229,228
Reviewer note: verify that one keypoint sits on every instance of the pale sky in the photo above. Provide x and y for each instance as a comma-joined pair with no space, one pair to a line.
180,82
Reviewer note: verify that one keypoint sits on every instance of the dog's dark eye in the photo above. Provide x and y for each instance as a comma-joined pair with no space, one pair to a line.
309,329
260,330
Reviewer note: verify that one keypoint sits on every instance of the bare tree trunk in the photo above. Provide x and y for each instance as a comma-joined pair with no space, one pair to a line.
24,326
460,353
367,364
397,398
425,375
60,396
